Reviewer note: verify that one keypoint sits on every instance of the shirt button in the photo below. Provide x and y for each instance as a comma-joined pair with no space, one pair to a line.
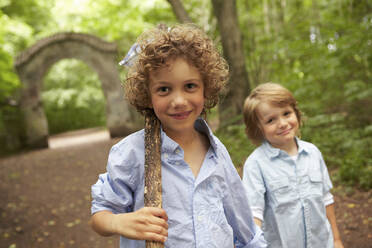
200,218
177,151
165,155
177,163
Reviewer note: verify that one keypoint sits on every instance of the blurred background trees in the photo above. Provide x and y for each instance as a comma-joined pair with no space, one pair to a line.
319,49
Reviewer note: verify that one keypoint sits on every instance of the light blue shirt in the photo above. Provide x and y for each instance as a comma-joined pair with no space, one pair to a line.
210,210
291,195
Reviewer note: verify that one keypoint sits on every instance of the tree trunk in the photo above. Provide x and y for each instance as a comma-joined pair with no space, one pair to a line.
180,11
152,196
267,26
232,105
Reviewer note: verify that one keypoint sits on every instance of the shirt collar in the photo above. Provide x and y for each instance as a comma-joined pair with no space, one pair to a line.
169,145
273,152
202,126
302,147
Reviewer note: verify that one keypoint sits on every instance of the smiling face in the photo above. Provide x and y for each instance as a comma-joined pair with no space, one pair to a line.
279,125
177,96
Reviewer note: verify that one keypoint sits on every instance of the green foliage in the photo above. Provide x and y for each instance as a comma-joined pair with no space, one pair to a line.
8,79
73,97
10,127
344,148
236,141
24,20
33,13
9,83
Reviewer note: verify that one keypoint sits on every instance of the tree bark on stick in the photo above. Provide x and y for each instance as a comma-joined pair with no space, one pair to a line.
152,196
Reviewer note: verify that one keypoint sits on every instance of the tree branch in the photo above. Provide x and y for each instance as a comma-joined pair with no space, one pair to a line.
152,196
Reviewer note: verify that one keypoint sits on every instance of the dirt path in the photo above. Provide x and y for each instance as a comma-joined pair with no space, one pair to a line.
45,197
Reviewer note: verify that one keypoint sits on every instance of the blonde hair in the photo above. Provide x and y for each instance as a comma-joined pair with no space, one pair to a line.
162,44
268,92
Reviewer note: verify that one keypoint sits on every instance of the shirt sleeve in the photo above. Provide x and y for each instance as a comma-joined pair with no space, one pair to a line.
254,187
327,183
238,212
257,212
328,199
114,189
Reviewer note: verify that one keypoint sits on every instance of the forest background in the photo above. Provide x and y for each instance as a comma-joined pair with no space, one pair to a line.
320,49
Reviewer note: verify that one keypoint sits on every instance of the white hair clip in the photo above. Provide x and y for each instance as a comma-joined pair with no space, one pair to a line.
131,56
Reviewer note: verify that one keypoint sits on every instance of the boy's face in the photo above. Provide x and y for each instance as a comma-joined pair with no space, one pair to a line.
177,96
278,124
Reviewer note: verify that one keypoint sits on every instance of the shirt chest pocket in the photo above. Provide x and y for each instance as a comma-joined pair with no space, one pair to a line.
315,183
281,192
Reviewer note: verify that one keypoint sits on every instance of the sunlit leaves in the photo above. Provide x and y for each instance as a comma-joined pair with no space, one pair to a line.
8,79
33,13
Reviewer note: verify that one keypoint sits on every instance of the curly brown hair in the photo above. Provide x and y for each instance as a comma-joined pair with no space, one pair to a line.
268,92
161,44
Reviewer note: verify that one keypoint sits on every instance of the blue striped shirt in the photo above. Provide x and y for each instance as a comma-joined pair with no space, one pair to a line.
210,210
291,194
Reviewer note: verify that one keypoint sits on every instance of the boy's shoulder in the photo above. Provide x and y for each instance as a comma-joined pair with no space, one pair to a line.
218,142
258,152
310,147
133,140
257,156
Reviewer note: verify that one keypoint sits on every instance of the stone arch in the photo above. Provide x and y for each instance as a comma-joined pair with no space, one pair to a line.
32,65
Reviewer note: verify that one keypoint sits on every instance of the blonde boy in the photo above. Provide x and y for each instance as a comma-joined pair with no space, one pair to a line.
286,179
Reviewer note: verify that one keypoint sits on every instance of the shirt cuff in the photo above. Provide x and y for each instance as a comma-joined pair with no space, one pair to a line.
328,199
257,212
258,240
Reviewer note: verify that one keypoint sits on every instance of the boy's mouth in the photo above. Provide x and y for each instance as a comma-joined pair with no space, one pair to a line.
181,115
287,131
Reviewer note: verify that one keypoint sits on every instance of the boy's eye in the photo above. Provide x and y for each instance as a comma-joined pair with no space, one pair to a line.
287,113
190,86
269,121
163,90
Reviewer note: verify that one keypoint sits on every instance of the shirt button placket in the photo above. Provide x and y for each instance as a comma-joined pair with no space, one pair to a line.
197,224
200,229
307,226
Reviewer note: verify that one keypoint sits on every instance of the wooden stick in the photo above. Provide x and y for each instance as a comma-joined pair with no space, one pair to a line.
153,191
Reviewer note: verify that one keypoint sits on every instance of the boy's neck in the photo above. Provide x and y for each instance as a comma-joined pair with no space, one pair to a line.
184,139
290,148
195,146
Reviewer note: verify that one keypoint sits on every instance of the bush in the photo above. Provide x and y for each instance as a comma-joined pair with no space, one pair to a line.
237,143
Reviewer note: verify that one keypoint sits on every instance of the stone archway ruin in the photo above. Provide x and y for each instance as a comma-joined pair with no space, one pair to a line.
101,56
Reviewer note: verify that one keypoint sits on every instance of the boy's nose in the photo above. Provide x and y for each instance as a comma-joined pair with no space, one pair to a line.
282,123
179,100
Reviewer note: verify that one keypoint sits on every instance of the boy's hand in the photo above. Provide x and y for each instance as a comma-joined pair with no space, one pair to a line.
148,223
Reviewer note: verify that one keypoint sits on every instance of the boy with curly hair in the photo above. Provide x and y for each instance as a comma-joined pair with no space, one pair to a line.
178,74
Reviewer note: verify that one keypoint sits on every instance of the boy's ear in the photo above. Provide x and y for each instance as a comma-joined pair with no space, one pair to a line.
149,105
149,101
260,130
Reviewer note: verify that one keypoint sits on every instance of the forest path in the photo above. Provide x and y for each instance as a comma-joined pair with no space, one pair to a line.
45,196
